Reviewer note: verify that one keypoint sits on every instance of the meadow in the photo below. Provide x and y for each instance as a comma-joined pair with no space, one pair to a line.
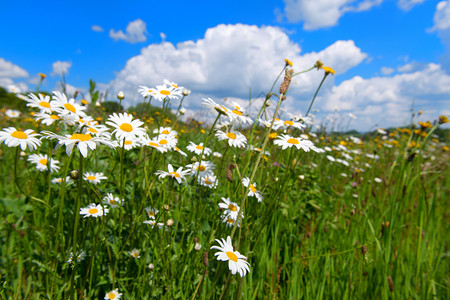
98,202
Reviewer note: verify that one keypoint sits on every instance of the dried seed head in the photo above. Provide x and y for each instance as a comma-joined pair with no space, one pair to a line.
75,174
169,222
205,258
308,235
352,212
325,229
390,283
363,250
230,172
166,207
286,82
195,240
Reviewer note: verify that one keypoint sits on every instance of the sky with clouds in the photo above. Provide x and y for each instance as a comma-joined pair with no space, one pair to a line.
389,55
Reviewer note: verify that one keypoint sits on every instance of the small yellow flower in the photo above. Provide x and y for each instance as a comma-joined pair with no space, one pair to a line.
418,131
420,112
443,119
288,62
273,135
42,75
445,148
84,102
328,70
425,125
412,144
319,64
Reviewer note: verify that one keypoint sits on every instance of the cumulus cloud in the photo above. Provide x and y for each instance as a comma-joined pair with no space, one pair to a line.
441,16
61,67
387,70
10,70
322,13
387,100
230,60
134,33
97,28
406,5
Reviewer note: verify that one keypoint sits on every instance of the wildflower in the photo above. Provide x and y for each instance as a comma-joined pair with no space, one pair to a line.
209,181
204,168
328,70
217,154
44,103
120,95
230,208
47,119
41,161
61,180
93,210
151,266
425,125
197,247
182,111
128,144
151,212
94,178
83,142
237,263
443,119
167,141
114,294
286,141
125,126
217,107
378,180
288,62
79,257
198,149
153,223
12,113
319,64
14,138
165,131
154,143
67,107
234,138
252,191
164,91
286,124
381,131
178,175
179,151
146,91
111,200
134,253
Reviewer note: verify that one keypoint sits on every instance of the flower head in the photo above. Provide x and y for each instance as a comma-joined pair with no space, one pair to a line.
114,294
178,175
252,191
13,138
237,263
198,149
135,253
43,102
94,178
111,200
12,113
93,210
41,161
125,126
234,138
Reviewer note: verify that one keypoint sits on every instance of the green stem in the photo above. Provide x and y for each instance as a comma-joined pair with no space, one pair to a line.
317,91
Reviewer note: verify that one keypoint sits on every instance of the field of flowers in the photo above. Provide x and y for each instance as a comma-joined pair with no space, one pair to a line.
102,204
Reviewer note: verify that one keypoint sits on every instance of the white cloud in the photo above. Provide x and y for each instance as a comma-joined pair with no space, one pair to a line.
61,68
230,60
406,5
10,70
323,13
412,67
387,101
387,70
442,16
134,33
97,28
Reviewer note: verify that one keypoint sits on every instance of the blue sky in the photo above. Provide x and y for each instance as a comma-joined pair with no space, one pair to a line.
387,54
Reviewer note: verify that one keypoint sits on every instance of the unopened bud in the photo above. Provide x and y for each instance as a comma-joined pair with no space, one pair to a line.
23,154
363,250
120,95
205,259
151,266
75,174
186,92
197,247
182,111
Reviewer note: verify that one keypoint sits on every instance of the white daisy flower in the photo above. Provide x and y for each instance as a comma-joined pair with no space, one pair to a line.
111,200
146,91
78,258
14,89
47,119
12,113
154,143
83,142
229,220
114,294
94,178
179,151
14,138
217,154
126,127
165,131
217,107
378,180
238,115
167,141
151,212
134,253
93,210
252,191
286,141
237,263
234,138
230,208
67,107
96,130
60,180
129,143
205,168
178,175
173,84
285,124
198,149
153,223
41,160
164,91
331,158
209,181
43,102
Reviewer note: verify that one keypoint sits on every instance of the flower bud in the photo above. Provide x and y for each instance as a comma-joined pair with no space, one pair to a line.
75,174
120,95
151,266
197,247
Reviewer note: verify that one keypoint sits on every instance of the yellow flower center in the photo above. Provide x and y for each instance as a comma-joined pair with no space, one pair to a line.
237,112
112,201
293,141
54,117
199,147
230,220
165,92
70,107
81,137
93,130
165,131
44,104
174,174
201,168
91,177
111,296
43,162
163,142
93,211
207,181
135,254
19,135
128,143
232,256
252,188
151,214
231,135
232,207
153,144
126,127
288,123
